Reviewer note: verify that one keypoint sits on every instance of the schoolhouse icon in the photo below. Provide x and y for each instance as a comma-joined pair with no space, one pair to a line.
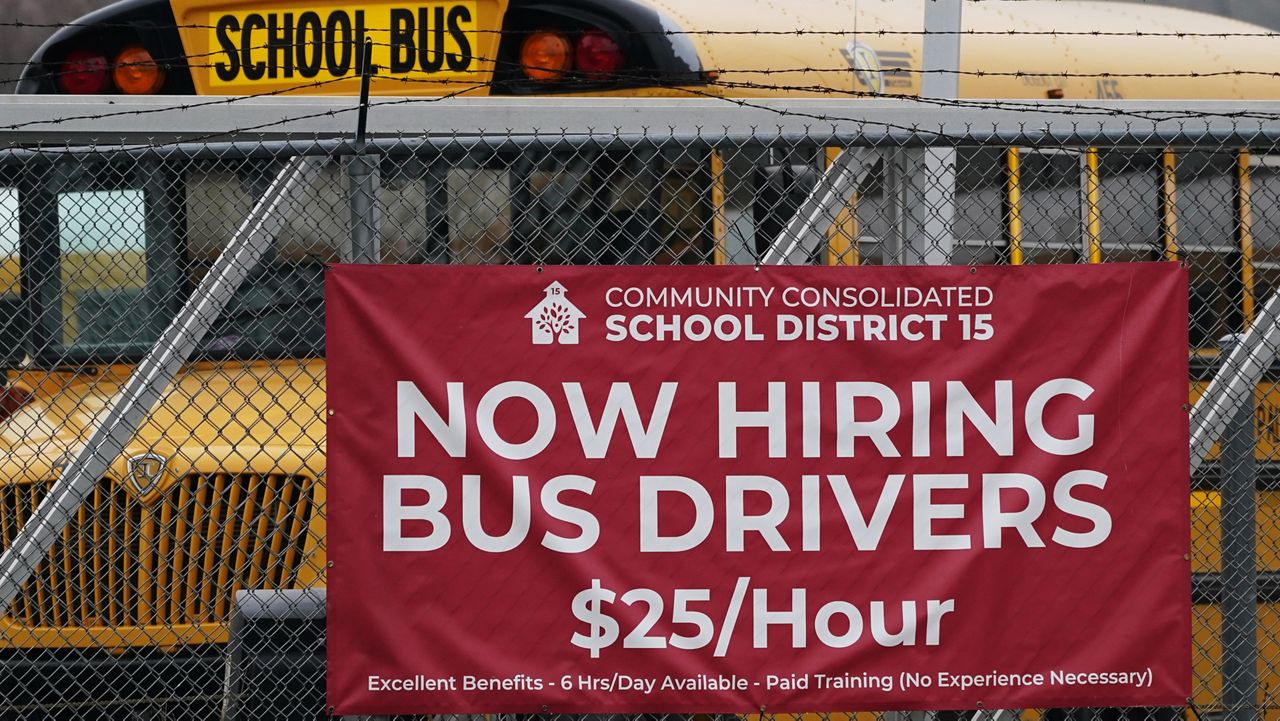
555,319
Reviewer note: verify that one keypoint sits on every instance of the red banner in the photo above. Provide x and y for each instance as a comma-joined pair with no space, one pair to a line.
656,489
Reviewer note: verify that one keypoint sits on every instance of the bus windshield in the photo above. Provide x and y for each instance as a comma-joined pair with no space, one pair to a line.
128,256
111,274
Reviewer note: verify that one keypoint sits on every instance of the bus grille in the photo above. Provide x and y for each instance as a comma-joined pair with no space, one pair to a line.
177,559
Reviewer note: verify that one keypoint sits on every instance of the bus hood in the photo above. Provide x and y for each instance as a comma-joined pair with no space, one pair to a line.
233,416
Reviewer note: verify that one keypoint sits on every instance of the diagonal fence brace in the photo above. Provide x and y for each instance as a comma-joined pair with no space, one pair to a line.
1235,381
807,229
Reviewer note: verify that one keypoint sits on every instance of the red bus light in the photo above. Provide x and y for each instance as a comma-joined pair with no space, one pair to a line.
597,55
84,72
12,399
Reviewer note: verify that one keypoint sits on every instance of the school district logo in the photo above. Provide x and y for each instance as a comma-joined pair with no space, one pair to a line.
555,319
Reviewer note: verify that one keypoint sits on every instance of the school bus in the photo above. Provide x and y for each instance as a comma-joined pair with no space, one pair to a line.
140,589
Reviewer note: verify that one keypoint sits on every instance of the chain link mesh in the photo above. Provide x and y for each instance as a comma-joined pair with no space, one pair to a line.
137,611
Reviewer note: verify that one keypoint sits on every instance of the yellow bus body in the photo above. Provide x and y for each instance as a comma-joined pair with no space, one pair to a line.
758,54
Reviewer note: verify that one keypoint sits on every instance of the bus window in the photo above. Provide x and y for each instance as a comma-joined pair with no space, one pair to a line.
1215,291
786,177
686,235
1129,206
102,248
1265,170
979,225
578,207
1207,240
479,213
875,219
641,207
1051,210
591,208
401,198
278,310
10,297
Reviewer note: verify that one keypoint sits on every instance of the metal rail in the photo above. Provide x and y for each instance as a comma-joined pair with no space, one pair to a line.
57,121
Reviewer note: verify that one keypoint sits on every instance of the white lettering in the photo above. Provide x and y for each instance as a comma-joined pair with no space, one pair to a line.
488,407
395,513
1097,515
557,509
596,438
651,541
412,405
1083,439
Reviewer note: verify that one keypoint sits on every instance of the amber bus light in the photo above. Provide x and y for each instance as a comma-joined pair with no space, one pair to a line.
136,72
546,56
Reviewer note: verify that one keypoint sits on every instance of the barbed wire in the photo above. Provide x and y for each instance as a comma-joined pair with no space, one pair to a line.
1049,74
183,106
181,62
1074,109
336,112
650,80
669,32
1014,105
175,63
333,112
472,85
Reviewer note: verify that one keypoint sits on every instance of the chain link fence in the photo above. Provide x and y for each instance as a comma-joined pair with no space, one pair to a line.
183,577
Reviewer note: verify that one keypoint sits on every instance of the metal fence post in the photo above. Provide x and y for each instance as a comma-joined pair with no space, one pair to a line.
931,184
1238,473
362,173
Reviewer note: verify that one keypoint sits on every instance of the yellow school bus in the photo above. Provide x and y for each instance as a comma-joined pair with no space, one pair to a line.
721,48
142,584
